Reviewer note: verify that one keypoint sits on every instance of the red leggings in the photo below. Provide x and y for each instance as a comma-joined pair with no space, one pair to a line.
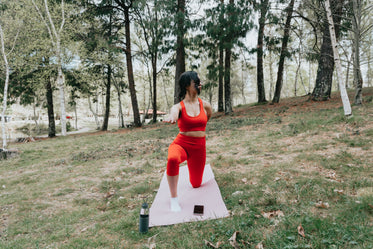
192,149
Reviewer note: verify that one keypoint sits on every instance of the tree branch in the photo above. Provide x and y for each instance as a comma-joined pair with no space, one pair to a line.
45,22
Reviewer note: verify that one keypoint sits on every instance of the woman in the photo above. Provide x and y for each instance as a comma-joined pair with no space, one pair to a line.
192,115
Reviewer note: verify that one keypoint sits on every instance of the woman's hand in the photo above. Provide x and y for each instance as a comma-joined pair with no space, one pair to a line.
170,120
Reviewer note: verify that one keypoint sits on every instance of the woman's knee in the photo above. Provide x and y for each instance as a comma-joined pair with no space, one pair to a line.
196,183
173,166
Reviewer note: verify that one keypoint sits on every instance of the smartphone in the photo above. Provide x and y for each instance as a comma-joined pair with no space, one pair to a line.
198,210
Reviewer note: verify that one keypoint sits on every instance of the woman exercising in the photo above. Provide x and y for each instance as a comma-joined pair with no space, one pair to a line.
191,115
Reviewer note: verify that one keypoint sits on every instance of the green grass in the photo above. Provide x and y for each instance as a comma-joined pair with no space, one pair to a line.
85,191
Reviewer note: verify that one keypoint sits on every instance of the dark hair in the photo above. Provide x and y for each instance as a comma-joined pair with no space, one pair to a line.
185,80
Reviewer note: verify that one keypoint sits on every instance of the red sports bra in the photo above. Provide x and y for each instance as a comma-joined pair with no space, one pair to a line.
188,123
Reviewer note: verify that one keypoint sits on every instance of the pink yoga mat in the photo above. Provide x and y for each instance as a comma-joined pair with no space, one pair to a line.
207,195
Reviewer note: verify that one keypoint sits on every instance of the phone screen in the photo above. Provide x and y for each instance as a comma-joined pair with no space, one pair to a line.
198,209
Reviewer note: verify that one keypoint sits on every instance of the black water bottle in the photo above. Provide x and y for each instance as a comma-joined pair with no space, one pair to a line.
144,218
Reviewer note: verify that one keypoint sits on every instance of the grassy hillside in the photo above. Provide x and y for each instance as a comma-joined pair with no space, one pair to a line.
292,166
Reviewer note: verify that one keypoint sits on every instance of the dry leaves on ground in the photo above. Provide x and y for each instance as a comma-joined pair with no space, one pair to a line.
259,246
322,204
211,245
273,214
233,240
151,242
301,231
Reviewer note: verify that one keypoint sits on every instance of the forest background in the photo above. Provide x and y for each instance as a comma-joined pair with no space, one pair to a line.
119,59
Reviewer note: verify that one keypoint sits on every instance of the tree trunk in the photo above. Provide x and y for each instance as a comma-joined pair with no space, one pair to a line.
131,80
61,87
227,81
154,68
342,88
358,79
51,120
55,37
5,96
227,71
180,49
324,78
94,113
284,53
120,111
107,101
221,68
260,74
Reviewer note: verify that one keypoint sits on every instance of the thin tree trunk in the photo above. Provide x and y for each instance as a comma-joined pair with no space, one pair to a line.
35,118
270,74
227,82
221,67
94,113
221,80
131,80
107,100
120,111
154,68
260,73
358,79
76,116
51,120
5,96
61,87
227,72
284,52
348,70
180,49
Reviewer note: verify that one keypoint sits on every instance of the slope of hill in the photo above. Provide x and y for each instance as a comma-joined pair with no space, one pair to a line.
293,175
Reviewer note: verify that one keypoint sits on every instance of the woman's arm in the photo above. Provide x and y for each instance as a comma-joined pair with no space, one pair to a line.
208,109
174,114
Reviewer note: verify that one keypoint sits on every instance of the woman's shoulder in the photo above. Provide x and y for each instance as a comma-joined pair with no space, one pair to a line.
177,106
205,103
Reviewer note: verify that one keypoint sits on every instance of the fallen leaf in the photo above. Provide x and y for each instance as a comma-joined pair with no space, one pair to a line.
244,180
339,191
273,214
233,240
151,242
331,175
277,179
237,193
209,244
110,193
301,231
259,246
321,204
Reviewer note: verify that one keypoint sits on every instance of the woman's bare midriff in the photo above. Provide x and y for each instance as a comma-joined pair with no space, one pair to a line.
193,133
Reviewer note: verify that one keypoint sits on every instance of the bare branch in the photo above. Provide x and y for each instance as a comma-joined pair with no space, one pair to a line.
14,43
63,17
45,22
50,19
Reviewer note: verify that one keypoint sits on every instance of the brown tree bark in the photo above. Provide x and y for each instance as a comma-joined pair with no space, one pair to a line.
128,52
107,100
51,121
324,78
221,67
284,53
180,47
260,74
